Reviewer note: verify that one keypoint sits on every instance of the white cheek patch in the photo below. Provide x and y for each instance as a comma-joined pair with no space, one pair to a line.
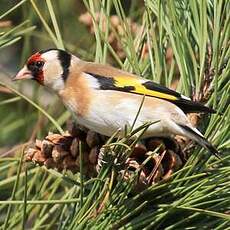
58,84
53,76
52,70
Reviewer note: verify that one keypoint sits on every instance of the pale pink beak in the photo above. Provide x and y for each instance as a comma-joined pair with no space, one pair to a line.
23,74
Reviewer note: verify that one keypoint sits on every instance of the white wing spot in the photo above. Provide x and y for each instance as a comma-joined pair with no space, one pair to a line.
92,81
186,98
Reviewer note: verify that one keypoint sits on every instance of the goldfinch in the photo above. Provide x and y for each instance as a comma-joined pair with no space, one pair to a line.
105,99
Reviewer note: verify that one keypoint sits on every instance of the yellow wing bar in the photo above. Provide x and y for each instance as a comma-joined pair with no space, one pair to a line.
140,87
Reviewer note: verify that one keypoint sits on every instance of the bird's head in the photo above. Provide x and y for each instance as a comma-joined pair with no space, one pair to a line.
49,68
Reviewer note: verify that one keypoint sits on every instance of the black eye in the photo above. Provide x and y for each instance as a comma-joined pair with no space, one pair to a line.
39,64
35,66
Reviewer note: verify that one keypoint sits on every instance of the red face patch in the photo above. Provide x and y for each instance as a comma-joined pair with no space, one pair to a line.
35,64
35,57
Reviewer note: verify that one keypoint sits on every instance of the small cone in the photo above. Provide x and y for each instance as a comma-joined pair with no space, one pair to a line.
155,159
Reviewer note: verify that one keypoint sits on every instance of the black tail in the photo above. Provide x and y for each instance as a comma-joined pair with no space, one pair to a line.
201,140
192,106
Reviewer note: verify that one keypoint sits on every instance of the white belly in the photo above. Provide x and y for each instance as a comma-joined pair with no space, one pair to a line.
108,125
106,115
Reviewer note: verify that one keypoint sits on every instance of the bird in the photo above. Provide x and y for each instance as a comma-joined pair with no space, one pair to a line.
106,99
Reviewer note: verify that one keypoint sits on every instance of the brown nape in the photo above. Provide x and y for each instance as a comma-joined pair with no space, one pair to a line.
104,70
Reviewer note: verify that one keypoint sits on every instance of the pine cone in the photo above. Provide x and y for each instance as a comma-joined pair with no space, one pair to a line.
155,159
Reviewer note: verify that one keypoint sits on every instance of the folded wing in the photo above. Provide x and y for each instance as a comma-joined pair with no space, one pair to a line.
141,86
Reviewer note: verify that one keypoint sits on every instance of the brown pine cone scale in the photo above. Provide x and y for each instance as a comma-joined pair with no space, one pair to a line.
61,152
